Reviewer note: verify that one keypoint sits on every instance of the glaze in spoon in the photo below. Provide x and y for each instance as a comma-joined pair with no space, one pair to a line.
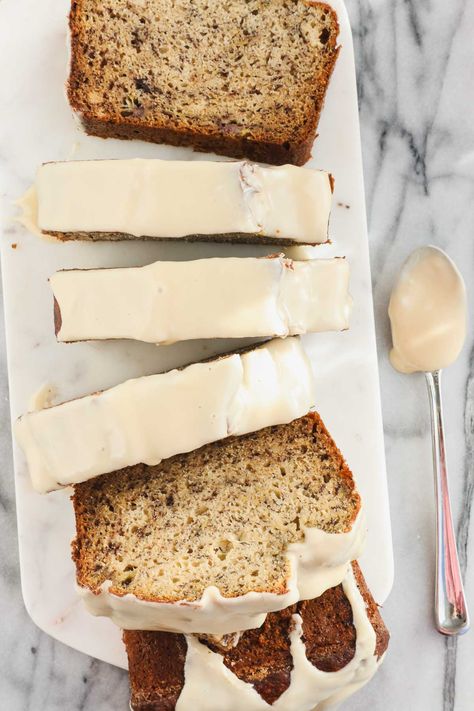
428,317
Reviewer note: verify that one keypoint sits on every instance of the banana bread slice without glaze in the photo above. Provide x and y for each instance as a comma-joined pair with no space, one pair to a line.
317,651
213,540
245,78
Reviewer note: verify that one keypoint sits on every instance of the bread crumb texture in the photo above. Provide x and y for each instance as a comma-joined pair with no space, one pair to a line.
222,515
239,69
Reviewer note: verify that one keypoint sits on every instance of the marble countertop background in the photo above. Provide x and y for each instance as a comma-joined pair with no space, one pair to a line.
415,61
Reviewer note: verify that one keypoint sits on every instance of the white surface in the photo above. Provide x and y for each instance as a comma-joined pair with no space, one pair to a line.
345,364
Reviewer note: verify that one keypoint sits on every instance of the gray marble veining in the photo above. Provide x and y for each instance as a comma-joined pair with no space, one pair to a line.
415,73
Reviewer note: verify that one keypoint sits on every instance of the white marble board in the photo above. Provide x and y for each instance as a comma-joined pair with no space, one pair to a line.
39,128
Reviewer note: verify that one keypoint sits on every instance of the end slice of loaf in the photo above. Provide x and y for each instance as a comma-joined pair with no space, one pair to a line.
245,78
224,516
260,668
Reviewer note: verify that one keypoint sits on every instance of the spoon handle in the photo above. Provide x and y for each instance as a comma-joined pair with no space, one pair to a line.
451,612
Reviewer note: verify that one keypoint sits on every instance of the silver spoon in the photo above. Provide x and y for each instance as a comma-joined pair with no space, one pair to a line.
452,616
428,316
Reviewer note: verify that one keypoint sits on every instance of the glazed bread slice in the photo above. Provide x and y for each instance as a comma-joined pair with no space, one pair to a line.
245,78
212,540
154,417
166,200
315,651
165,302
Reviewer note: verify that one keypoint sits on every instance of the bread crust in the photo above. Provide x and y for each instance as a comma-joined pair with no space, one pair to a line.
296,153
262,657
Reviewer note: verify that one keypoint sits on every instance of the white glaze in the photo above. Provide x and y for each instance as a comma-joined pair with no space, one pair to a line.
211,686
319,562
174,199
427,312
151,418
165,302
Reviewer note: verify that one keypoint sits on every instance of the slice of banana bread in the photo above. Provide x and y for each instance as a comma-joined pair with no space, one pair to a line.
166,302
151,418
263,513
195,200
241,78
263,668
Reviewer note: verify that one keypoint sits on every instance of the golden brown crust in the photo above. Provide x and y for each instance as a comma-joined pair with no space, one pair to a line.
373,613
231,146
156,666
264,142
262,657
326,622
